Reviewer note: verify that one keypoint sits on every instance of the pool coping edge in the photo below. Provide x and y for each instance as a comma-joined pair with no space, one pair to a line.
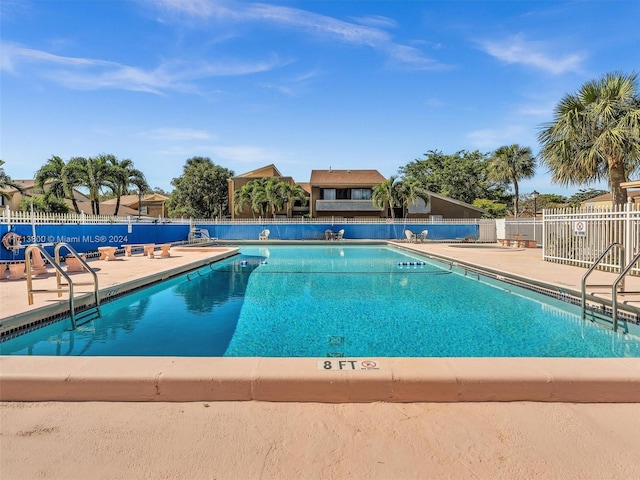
184,379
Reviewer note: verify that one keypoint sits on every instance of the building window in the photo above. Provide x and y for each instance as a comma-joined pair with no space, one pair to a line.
346,194
328,194
361,194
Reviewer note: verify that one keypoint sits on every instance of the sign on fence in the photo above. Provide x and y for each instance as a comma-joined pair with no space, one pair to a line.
579,229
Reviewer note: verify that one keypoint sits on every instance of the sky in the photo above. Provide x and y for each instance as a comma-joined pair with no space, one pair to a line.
303,85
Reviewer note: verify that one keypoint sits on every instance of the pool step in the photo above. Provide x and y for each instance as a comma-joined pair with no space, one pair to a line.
87,316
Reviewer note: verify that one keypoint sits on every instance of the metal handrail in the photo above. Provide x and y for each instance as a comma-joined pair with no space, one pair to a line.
592,268
59,271
614,291
84,264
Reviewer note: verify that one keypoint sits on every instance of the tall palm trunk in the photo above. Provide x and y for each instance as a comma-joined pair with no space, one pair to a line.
616,177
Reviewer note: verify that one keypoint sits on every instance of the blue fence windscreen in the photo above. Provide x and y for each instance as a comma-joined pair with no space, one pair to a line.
88,237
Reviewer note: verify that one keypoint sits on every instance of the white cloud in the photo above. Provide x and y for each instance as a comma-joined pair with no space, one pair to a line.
369,32
377,21
414,58
95,74
517,50
489,138
193,8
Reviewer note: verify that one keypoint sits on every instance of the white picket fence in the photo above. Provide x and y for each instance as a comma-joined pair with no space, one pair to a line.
578,236
14,217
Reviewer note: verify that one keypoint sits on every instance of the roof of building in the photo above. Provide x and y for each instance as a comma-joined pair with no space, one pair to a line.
456,202
108,209
306,186
631,184
28,187
607,197
345,177
24,184
262,172
133,199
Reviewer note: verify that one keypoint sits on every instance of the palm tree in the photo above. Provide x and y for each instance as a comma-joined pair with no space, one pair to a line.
58,179
95,172
273,195
124,176
407,192
243,198
595,134
384,195
293,193
6,182
259,195
512,163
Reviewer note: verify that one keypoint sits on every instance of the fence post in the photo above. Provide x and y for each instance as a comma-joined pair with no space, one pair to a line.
8,216
544,235
629,251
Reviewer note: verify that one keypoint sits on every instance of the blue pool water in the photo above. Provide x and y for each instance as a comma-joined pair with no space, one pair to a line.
318,301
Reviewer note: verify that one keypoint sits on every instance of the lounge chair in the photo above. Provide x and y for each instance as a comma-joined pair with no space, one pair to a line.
339,235
423,236
411,237
264,235
328,234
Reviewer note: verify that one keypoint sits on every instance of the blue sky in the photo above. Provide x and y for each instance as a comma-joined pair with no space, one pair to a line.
301,84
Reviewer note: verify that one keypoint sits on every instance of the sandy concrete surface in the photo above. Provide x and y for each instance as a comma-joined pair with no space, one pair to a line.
261,440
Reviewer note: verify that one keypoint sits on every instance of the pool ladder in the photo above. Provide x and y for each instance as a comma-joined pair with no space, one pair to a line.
618,285
88,314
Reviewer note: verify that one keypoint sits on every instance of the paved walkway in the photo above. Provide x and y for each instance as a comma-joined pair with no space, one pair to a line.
263,440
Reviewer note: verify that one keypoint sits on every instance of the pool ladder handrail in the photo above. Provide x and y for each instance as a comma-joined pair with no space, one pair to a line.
614,289
618,284
55,263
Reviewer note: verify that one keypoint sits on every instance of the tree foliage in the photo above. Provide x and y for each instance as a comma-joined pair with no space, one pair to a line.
56,179
595,134
583,195
462,176
46,204
268,195
123,176
201,191
492,208
6,182
383,195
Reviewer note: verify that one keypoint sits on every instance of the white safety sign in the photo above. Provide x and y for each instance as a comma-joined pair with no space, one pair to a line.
579,229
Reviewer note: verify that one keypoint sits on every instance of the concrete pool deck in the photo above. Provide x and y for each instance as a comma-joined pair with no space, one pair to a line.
293,440
46,378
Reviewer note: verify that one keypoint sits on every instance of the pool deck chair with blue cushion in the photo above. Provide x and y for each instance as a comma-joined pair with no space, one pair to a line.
264,235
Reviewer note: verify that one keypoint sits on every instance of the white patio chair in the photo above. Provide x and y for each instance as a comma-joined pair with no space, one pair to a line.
411,237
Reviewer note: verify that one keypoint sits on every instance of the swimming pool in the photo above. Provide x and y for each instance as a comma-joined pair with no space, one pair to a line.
330,301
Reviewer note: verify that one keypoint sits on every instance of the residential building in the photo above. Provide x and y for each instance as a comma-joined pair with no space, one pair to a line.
28,188
148,205
605,200
344,193
270,171
440,207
